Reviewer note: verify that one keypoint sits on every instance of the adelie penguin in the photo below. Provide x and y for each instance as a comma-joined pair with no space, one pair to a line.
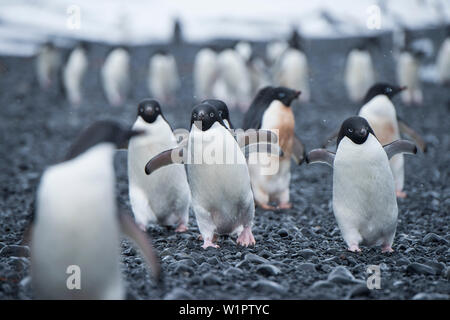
115,75
73,74
223,111
380,112
359,70
443,60
364,201
205,73
222,198
76,224
164,197
291,69
163,78
271,110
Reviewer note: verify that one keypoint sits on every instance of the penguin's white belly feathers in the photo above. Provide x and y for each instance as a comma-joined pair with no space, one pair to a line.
293,72
364,198
47,65
205,73
222,192
84,233
163,196
163,76
115,76
443,62
359,74
73,75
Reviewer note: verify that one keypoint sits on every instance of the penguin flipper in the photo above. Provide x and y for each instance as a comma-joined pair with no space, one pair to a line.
252,136
404,128
272,149
331,139
130,228
298,151
165,158
320,155
400,146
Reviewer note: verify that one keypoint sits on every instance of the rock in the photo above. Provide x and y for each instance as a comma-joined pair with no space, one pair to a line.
267,270
232,271
268,286
433,237
323,284
308,267
431,296
358,291
402,262
283,233
306,253
178,294
341,275
251,257
182,268
419,268
213,261
14,251
211,279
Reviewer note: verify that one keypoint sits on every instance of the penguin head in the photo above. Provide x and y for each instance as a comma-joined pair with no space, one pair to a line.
205,115
285,95
101,132
222,109
149,110
356,129
384,89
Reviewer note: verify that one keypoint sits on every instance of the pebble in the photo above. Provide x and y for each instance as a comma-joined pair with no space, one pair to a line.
306,253
211,279
251,257
179,294
283,233
420,269
268,270
269,286
14,251
431,296
232,271
341,275
433,237
308,267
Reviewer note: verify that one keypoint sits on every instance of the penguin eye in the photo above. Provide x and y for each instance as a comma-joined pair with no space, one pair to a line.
388,90
141,110
350,130
194,116
211,114
220,113
281,95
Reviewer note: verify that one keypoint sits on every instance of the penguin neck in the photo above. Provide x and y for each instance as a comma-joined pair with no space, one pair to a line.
366,152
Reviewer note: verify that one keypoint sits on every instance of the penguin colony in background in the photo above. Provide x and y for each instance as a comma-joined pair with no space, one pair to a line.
164,182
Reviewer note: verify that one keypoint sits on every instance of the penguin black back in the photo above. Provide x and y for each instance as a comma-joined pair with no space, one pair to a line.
356,129
254,115
205,115
99,132
222,108
382,88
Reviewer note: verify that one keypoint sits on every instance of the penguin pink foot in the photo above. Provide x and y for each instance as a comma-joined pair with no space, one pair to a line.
387,249
209,243
246,238
287,205
401,194
265,206
181,228
354,248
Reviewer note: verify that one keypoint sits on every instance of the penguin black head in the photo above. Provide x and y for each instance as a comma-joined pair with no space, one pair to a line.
356,129
149,110
382,88
100,132
207,115
283,94
221,108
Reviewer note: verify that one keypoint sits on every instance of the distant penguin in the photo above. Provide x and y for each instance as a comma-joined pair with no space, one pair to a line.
274,50
221,193
205,73
359,73
115,76
177,37
234,75
73,74
223,111
380,112
163,197
259,75
292,70
271,110
443,61
408,66
48,64
364,201
76,226
163,78
244,49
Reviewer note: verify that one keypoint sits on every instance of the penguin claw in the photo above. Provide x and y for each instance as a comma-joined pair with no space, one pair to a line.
208,243
287,205
387,249
181,228
265,206
354,248
246,238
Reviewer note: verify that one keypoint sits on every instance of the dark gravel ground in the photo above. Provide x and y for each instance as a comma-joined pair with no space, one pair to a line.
299,253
